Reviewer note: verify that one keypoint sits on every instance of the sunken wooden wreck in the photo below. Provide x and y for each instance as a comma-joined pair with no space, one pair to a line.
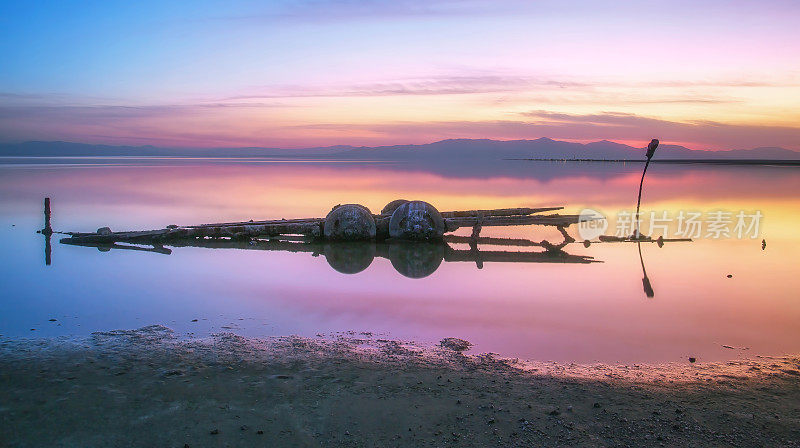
413,235
400,220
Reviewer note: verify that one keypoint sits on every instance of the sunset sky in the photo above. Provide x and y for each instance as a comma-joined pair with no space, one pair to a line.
706,74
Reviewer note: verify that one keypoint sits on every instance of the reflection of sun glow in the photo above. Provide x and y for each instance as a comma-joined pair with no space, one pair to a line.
206,193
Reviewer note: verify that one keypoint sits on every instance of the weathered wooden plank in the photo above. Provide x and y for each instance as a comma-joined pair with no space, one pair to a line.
498,212
451,214
544,220
488,241
122,235
620,239
241,231
267,221
312,227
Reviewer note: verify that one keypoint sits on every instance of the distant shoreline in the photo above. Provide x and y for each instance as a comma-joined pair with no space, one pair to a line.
447,151
763,162
334,159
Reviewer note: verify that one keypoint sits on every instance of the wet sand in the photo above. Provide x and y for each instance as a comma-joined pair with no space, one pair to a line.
148,388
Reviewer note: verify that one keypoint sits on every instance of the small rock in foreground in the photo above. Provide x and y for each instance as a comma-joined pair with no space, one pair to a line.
455,344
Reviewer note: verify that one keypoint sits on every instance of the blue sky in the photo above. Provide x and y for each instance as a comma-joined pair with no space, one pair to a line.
714,74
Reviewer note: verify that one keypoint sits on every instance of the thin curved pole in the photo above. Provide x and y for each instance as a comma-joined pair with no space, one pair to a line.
639,200
651,150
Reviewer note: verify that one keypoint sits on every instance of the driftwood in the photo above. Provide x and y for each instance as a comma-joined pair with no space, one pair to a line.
521,242
240,231
264,222
411,220
452,214
312,229
543,220
499,212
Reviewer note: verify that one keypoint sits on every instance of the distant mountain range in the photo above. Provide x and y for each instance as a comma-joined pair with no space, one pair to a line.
453,150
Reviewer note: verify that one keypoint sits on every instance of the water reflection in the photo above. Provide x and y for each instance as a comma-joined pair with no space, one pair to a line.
648,287
47,231
411,259
560,311
660,241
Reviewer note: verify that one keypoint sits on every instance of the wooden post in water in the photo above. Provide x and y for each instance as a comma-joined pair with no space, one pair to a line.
47,231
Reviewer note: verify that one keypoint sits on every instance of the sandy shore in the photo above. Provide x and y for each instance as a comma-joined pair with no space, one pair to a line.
147,388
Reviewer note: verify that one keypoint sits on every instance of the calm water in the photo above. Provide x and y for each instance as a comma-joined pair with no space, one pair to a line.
543,311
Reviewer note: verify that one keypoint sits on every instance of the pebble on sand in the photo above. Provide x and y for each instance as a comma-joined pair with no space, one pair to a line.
455,344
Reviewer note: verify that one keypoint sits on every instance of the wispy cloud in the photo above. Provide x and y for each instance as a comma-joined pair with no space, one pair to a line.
198,124
262,119
608,126
435,85
535,88
488,83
